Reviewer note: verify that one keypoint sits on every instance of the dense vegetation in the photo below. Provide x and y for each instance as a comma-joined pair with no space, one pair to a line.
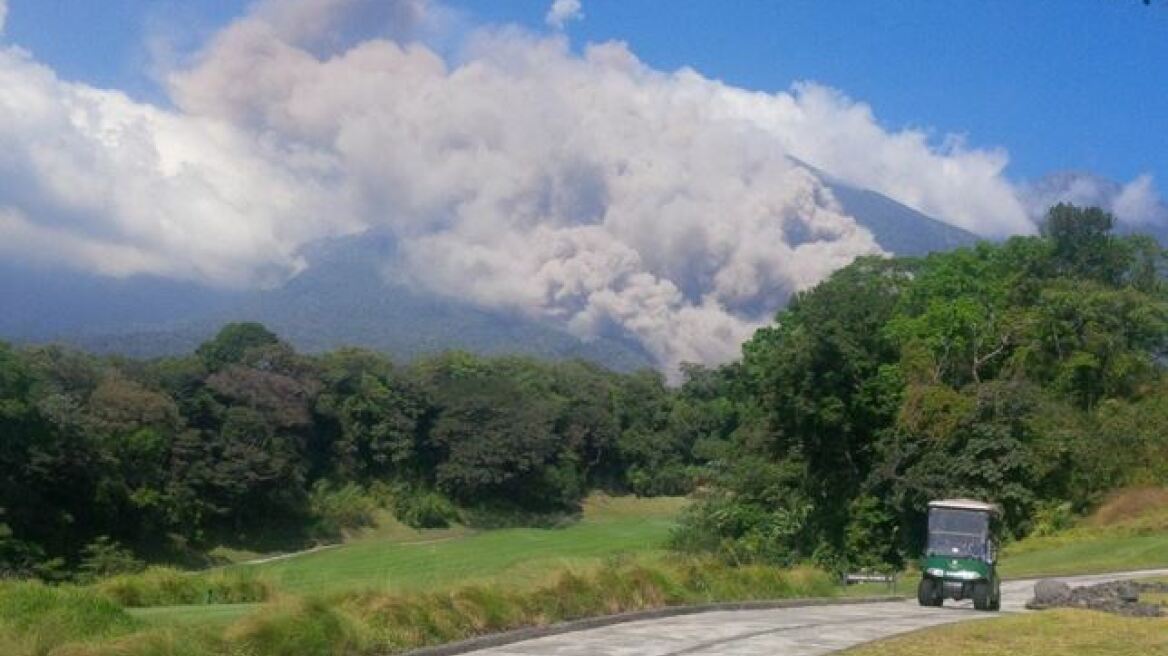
106,461
1029,372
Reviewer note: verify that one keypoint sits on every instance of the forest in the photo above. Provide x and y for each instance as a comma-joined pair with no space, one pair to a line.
1029,372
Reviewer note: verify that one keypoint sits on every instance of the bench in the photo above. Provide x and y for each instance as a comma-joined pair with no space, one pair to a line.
852,578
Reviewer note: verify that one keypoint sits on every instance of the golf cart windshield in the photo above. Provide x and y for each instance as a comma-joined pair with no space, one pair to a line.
956,532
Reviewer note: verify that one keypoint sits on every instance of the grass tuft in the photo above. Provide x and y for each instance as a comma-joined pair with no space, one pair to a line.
371,622
36,618
302,626
163,586
388,623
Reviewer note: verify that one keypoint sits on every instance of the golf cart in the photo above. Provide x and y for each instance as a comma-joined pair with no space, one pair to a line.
961,555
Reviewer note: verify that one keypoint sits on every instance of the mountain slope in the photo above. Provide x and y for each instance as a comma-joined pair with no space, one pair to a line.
345,298
898,229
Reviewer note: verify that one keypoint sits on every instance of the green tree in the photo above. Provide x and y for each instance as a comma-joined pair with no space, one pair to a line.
232,342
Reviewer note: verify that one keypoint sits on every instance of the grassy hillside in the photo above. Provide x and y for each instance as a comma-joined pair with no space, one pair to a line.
1128,531
392,559
397,559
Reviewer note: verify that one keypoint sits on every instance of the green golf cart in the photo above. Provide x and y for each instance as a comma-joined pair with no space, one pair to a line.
960,559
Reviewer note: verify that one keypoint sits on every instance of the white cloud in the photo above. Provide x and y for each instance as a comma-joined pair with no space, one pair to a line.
828,130
1137,204
562,11
590,190
195,198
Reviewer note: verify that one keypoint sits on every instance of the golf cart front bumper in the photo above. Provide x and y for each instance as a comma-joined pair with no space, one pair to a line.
955,584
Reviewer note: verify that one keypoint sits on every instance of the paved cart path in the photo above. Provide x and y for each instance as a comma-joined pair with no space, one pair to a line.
786,631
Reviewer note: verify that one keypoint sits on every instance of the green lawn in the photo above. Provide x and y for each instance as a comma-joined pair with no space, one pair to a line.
394,558
411,561
1096,553
1129,531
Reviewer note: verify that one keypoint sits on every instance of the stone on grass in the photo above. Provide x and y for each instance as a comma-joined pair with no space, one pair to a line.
1049,592
1118,597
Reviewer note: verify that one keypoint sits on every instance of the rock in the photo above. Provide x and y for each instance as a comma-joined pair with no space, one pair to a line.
1128,593
1119,597
1049,592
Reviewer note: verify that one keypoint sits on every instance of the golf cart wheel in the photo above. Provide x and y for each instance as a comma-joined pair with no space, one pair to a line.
996,601
981,595
929,592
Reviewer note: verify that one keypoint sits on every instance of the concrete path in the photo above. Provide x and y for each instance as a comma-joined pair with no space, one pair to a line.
786,631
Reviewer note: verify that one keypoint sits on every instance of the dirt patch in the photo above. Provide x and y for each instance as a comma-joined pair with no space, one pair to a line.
1129,504
1117,597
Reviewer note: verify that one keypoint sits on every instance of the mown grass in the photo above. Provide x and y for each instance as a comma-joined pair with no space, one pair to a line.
1128,531
1079,632
422,560
1087,554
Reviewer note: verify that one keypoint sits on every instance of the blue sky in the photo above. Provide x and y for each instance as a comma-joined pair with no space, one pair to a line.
1061,84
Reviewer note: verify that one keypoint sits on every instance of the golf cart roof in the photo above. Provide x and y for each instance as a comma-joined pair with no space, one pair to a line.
966,504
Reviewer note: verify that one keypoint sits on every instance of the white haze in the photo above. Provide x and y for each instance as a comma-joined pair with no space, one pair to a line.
586,189
1136,204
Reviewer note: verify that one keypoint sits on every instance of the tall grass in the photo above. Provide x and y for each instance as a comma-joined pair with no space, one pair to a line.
163,586
374,622
36,618
1138,507
39,620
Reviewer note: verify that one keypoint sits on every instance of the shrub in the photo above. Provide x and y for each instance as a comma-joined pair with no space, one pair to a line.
105,557
673,479
492,516
1052,517
424,509
336,510
21,559
742,531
